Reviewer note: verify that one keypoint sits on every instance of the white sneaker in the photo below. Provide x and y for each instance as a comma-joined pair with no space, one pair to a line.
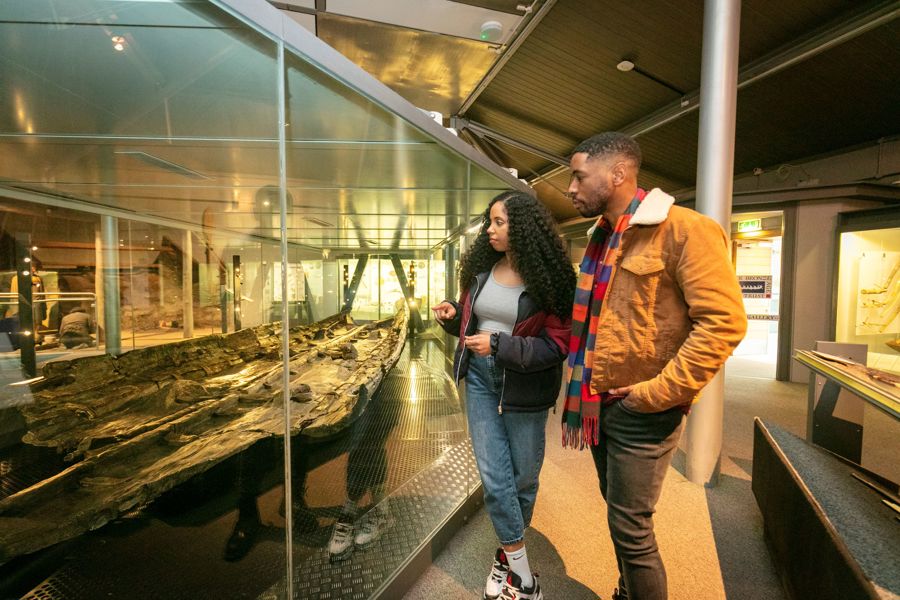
514,590
375,522
497,577
341,543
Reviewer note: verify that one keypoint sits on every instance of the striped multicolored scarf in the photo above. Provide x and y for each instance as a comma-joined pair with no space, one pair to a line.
581,415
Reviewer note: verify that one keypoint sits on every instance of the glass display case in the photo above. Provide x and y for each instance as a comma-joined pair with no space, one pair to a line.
866,301
191,187
867,290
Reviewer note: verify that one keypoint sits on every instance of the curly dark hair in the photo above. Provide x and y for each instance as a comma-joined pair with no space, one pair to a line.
536,252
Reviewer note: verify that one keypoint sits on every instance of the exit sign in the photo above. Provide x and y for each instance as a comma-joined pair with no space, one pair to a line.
749,225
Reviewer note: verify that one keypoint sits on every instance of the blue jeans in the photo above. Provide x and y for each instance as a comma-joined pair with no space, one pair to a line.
509,450
632,458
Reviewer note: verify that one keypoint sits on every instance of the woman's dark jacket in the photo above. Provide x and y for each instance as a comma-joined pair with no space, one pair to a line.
531,358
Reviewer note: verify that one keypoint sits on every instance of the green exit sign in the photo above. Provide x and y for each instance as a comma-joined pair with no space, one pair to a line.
749,225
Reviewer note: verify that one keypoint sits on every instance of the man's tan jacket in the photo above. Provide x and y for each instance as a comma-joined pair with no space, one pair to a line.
673,312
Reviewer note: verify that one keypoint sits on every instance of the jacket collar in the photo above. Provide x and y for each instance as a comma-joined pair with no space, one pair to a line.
653,210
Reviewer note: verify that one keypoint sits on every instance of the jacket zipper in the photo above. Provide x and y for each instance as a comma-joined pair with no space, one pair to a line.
503,384
462,340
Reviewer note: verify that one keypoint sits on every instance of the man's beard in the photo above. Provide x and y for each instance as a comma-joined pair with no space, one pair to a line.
595,207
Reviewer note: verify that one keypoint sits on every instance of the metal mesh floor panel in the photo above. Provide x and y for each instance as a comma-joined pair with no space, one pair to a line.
23,466
416,508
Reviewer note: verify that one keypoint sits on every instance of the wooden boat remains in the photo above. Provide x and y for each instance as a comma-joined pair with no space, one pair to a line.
136,425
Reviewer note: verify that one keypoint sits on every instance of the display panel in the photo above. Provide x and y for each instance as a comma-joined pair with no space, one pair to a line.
868,294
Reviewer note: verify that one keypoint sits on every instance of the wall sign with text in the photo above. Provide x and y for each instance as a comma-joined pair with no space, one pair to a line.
756,286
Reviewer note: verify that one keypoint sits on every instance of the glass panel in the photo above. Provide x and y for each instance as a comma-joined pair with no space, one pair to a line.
369,191
363,177
485,186
184,111
137,144
868,295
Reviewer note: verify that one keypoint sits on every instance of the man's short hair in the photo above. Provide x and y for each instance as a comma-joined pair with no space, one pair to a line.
611,143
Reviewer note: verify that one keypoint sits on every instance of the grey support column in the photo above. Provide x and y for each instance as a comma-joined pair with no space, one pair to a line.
715,174
187,283
237,278
307,291
99,305
109,242
223,293
28,328
285,323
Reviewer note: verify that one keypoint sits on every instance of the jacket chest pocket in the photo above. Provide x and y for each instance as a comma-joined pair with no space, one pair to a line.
639,278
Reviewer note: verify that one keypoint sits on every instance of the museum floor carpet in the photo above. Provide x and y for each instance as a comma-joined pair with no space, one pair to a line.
711,539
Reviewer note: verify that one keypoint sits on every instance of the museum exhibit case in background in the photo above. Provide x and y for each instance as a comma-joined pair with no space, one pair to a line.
866,304
196,188
867,287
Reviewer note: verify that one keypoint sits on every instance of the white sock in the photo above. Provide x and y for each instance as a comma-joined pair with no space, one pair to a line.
349,510
518,562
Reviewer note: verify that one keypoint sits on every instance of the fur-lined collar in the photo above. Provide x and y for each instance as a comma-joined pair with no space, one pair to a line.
653,210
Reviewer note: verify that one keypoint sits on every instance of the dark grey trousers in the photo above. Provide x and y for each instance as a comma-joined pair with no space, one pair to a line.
634,453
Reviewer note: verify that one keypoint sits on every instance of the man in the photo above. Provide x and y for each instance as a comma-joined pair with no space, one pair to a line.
75,329
657,312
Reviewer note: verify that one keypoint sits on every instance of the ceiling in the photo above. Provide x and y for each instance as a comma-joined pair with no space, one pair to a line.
830,79
180,125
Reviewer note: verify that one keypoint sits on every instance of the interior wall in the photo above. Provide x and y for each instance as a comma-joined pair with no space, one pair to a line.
814,271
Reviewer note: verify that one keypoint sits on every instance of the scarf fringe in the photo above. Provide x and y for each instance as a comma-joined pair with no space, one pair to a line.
585,436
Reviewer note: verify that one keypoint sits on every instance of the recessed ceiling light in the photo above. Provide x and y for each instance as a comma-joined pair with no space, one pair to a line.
625,66
491,31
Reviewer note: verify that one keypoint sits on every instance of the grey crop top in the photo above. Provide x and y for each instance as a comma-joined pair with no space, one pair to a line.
497,306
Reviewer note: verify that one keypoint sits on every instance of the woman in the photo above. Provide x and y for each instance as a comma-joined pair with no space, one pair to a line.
513,321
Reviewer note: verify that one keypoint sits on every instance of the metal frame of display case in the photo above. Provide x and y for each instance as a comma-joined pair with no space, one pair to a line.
849,376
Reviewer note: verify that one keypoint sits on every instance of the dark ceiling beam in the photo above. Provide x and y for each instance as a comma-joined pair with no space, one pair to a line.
518,39
483,130
786,56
